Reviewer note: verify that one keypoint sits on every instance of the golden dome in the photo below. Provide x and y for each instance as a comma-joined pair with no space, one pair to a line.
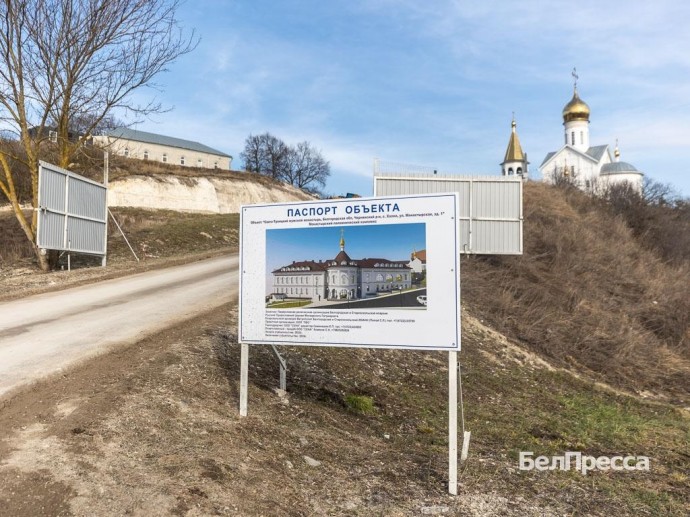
576,109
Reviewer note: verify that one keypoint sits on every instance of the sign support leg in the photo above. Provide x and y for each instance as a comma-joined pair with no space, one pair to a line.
453,423
283,368
244,378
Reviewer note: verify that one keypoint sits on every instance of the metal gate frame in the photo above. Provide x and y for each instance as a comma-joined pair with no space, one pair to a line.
72,212
491,213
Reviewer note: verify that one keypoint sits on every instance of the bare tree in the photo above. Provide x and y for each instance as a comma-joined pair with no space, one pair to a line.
65,65
306,168
657,193
253,154
302,165
265,154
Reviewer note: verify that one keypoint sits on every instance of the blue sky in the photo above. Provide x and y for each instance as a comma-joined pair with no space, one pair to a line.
433,83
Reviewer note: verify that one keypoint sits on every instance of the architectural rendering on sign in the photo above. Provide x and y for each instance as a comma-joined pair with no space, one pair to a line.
589,167
341,277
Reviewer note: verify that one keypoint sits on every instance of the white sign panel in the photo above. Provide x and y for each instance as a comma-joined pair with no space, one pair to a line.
363,272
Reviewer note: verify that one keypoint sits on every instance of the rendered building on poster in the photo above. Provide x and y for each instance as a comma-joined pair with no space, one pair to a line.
341,278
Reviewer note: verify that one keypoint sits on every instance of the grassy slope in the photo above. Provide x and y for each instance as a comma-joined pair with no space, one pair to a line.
581,296
587,295
513,403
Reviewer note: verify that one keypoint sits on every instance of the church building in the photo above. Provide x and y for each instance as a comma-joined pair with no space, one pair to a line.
588,167
515,161
341,278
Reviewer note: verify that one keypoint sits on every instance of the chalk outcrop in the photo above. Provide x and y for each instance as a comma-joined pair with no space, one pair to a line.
202,194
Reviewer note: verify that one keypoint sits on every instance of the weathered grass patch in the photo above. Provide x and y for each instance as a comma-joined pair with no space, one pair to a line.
363,404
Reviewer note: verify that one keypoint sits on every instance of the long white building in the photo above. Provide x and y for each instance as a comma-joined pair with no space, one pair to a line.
341,278
166,149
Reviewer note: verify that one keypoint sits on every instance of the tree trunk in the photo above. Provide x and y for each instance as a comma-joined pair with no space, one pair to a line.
42,259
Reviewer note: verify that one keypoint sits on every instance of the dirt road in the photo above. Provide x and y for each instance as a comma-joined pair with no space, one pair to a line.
43,334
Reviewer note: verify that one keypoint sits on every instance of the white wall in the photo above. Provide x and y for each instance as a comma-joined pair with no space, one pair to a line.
166,154
210,195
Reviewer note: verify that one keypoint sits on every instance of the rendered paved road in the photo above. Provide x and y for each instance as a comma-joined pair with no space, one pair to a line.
43,334
401,300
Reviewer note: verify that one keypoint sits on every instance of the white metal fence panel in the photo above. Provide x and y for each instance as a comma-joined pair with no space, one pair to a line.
72,212
490,207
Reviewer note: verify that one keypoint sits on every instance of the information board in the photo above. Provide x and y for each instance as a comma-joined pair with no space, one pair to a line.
363,272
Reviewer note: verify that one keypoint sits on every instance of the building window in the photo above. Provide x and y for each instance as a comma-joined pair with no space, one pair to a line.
126,151
572,137
582,137
566,139
519,171
215,165
510,171
146,154
181,160
52,136
165,158
199,163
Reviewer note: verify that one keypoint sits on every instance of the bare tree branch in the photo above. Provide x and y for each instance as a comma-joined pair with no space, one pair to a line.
65,65
302,165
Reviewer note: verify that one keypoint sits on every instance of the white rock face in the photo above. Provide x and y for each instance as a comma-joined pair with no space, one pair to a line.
206,195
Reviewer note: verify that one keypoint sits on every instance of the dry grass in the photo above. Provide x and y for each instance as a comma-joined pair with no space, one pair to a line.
153,429
152,233
587,295
15,248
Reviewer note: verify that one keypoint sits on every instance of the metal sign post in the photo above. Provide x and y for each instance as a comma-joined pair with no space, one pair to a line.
335,298
453,423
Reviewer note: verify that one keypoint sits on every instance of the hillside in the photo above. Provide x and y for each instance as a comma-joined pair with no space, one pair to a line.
581,344
589,296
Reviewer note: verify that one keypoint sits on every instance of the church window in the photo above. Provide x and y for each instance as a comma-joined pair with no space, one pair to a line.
572,137
146,154
519,171
582,137
510,171
566,139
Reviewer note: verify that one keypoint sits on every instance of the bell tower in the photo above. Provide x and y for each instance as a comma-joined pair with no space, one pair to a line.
515,161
